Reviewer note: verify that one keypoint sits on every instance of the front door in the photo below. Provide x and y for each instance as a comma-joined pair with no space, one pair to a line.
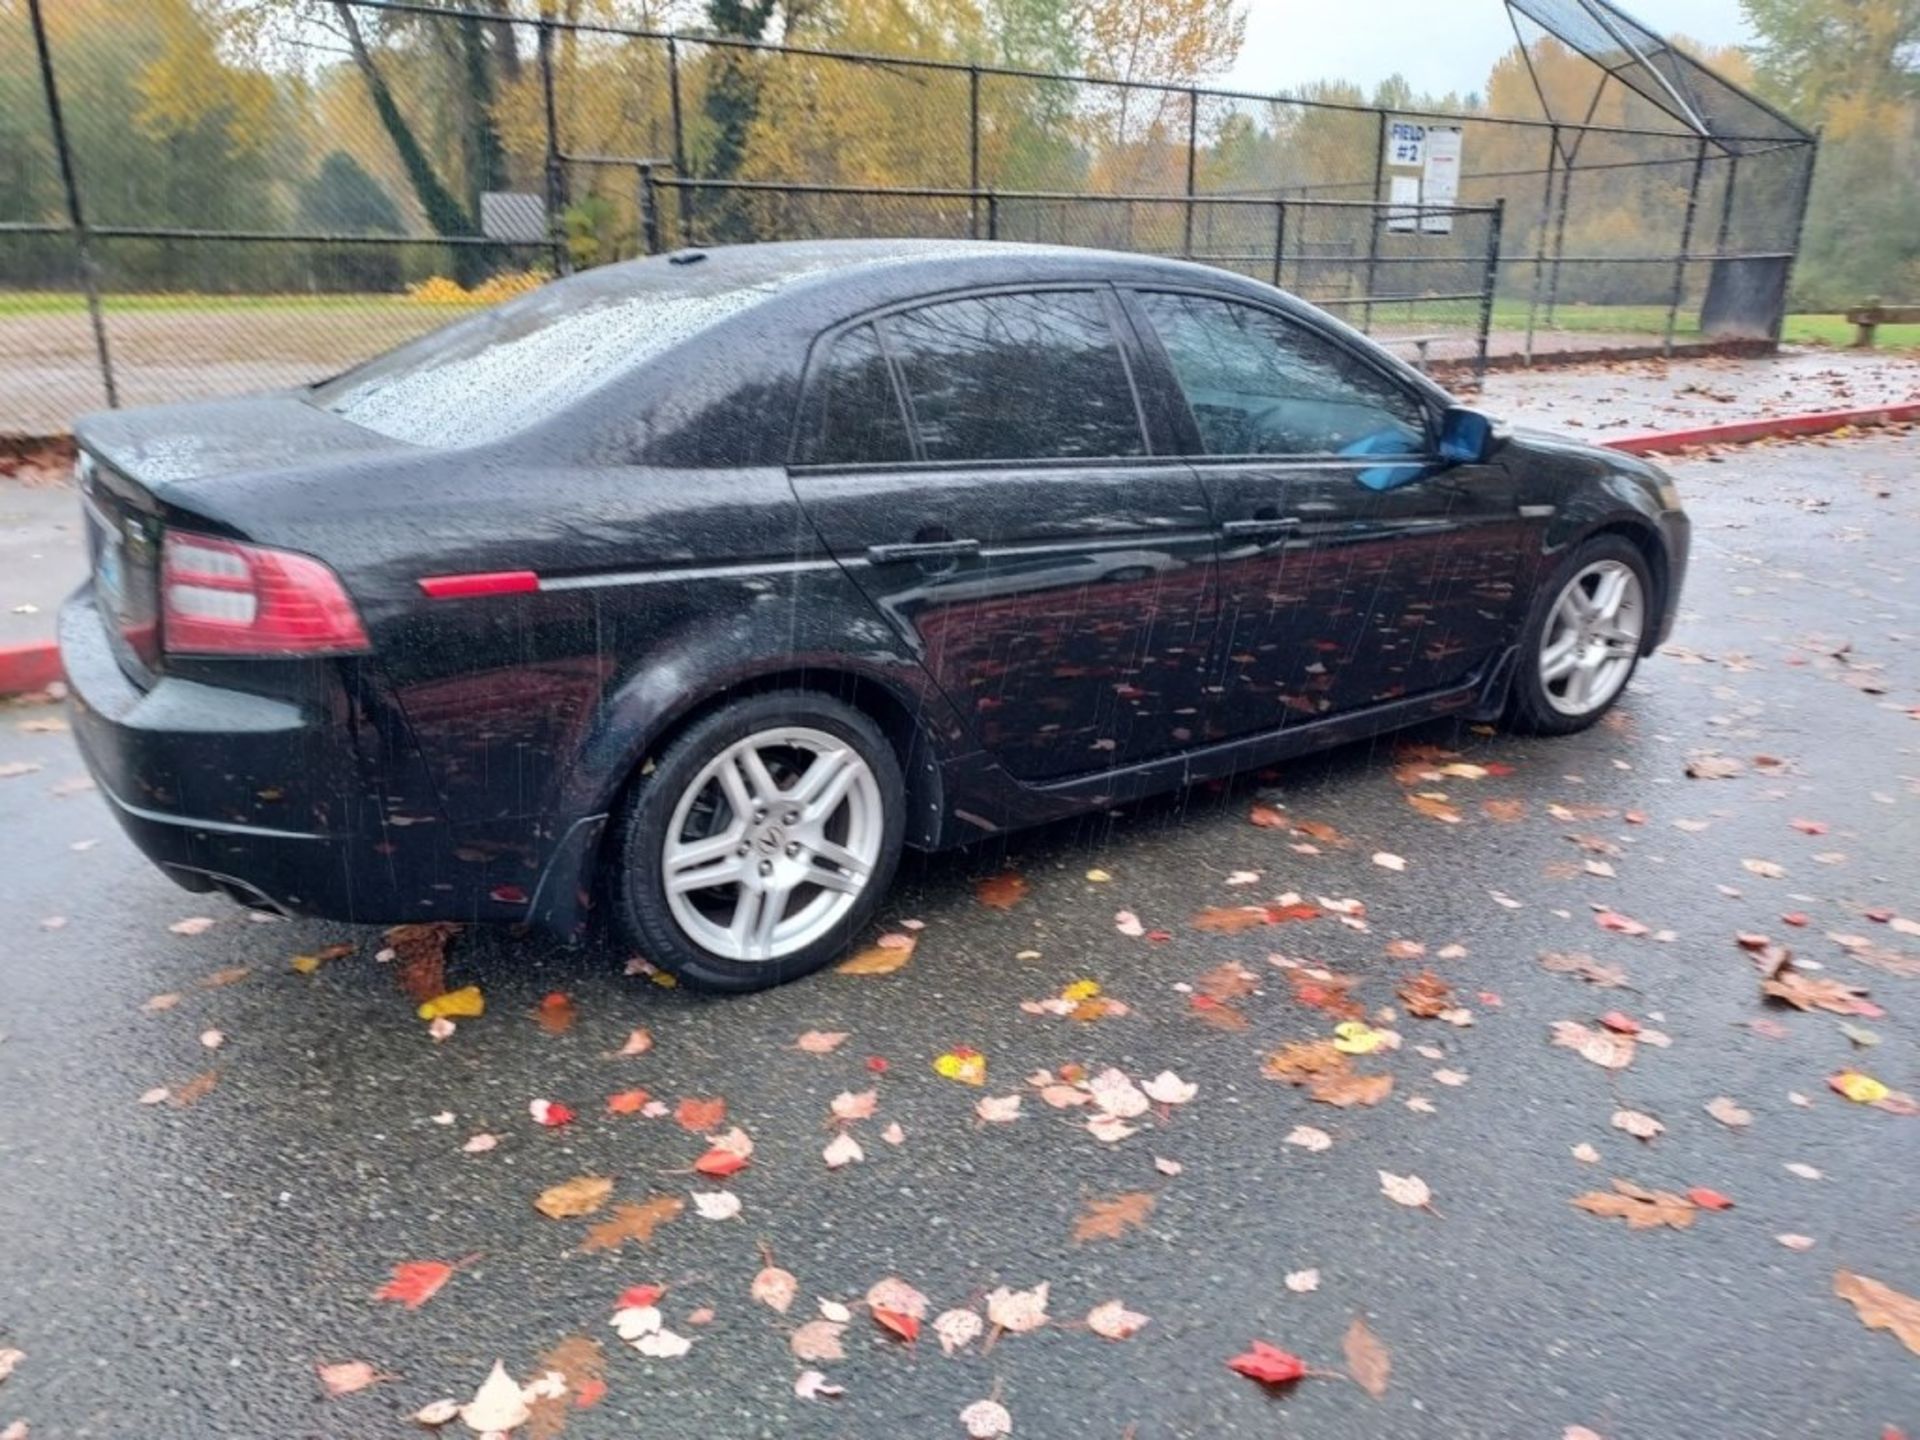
1353,569
980,468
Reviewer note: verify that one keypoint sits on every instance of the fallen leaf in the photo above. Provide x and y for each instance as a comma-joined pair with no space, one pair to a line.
1116,1094
716,1204
1881,1307
720,1162
1602,1047
415,1282
1586,1154
998,1110
1435,807
436,1413
1802,1169
1308,1138
550,1113
1113,1321
1110,1218
466,1003
1807,992
851,1105
1018,1311
573,1198
632,1222
1268,818
1584,966
1344,1090
421,955
1209,1010
957,1329
842,1150
1426,995
969,1067
775,1288
1303,1282
194,1090
986,1419
833,1310
1641,1209
812,1385
638,1043
1388,861
1367,1359
1409,1190
155,1096
1229,920
627,1102
876,960
698,1116
1002,891
1302,1060
1724,1109
1635,1123
193,925
820,1042
1268,1364
350,1375
498,1406
555,1013
1167,1167
1714,767
480,1144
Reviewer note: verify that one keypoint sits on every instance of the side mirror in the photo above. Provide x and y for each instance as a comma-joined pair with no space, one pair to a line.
1466,436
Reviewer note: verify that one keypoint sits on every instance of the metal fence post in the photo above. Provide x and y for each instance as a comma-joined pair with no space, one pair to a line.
556,178
1279,238
70,182
682,200
973,150
649,212
1559,243
993,216
1193,158
1492,282
1375,220
1686,244
1540,244
1799,233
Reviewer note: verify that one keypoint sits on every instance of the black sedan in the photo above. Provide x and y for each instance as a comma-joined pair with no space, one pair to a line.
691,590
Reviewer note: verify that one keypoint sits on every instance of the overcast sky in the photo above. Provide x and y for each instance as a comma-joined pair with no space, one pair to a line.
1439,45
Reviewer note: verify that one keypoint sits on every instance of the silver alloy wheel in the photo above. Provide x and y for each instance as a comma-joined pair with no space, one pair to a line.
772,843
1592,636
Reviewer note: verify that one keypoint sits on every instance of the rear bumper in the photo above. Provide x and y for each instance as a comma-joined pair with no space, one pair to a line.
281,804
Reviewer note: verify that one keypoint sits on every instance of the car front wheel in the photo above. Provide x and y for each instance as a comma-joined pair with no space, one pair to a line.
1583,639
760,843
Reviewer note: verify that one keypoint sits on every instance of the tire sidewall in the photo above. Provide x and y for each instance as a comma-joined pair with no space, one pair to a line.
1531,708
636,880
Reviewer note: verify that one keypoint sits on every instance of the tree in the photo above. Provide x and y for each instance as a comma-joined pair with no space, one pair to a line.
343,199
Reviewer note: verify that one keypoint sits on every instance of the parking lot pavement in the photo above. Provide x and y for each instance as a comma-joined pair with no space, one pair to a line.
180,1268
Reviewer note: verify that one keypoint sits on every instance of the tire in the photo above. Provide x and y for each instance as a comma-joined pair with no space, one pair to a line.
705,813
1597,653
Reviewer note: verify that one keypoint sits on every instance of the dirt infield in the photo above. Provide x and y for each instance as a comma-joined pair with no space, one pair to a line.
49,373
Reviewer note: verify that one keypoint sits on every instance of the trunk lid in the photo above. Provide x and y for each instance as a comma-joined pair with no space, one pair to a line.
137,473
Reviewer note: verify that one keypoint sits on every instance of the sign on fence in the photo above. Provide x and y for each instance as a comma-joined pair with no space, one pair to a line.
1440,183
1406,143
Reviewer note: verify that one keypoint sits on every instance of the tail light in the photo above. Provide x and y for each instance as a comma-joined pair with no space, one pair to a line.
219,597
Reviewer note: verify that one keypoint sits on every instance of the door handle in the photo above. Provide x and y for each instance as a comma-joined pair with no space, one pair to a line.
1262,529
922,550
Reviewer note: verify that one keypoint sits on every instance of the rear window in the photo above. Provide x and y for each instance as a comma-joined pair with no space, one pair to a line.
493,374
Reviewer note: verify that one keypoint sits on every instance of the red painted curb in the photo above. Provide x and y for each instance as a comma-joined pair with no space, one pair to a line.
25,668
1740,431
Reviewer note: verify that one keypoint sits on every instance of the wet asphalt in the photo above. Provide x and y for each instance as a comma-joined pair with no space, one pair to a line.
180,1270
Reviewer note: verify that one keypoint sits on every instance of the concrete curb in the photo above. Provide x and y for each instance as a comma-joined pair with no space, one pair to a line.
1740,432
27,668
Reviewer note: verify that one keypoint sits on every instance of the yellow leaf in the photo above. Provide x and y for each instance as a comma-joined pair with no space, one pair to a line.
969,1067
1861,1089
463,1004
1352,1037
1080,990
876,960
305,964
581,1195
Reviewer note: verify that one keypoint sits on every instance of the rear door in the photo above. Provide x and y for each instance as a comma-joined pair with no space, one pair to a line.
1354,570
981,467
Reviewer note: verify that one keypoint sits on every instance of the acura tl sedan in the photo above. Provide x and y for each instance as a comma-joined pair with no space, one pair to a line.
688,591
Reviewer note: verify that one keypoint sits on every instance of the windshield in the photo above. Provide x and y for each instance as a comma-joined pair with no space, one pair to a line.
497,373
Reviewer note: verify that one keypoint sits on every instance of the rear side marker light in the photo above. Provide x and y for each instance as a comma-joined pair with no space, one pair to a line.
220,597
489,582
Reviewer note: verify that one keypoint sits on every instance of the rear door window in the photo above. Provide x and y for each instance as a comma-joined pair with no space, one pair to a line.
1260,384
861,422
1034,376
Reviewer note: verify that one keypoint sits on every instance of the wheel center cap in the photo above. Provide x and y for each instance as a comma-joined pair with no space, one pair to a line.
770,840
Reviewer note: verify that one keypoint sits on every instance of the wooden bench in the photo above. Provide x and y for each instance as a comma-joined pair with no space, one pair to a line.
1868,317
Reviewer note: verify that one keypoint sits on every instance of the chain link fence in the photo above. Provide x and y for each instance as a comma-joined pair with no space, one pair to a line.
199,197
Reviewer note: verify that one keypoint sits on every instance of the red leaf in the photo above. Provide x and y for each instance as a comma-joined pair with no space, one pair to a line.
415,1282
1795,918
1709,1199
638,1297
589,1392
556,1114
626,1102
877,1064
718,1163
1269,1365
1620,1024
1280,914
698,1115
903,1325
1267,818
1497,768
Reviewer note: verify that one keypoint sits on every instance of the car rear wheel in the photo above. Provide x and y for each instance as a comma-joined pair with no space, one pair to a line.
1583,639
760,843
